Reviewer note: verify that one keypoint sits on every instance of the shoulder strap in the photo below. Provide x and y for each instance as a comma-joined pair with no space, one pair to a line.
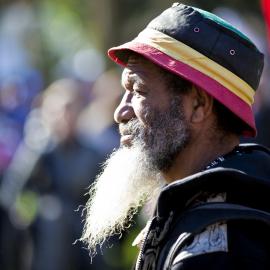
253,147
194,220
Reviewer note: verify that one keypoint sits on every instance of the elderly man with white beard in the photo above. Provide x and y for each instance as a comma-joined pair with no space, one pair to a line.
189,80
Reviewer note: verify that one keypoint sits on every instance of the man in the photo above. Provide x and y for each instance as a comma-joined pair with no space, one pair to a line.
189,81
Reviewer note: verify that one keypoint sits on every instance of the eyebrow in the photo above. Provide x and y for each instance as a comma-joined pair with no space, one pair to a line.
132,76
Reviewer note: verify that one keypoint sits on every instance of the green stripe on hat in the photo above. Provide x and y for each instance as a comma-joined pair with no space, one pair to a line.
221,22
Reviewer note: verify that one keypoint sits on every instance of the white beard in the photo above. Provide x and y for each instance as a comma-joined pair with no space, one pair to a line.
132,175
126,183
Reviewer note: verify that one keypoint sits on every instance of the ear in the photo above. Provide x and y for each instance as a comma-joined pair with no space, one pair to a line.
202,105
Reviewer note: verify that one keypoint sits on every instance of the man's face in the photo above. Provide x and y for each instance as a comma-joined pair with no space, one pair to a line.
153,131
151,113
145,91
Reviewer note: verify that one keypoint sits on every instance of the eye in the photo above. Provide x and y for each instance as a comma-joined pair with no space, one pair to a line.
138,92
139,89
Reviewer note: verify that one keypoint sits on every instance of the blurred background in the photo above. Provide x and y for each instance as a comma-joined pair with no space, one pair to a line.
58,91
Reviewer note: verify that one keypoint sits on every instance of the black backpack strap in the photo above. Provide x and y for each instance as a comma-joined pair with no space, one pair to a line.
196,219
253,147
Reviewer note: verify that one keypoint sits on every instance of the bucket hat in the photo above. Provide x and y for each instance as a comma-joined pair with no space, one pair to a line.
205,50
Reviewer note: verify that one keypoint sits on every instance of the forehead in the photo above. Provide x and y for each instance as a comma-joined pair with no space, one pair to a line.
140,66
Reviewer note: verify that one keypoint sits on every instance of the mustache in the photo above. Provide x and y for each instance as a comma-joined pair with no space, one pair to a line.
132,127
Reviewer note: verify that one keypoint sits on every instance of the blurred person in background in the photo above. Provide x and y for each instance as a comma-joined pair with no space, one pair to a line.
20,82
61,177
189,79
47,180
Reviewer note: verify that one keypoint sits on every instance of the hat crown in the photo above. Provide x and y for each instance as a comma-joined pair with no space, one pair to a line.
213,37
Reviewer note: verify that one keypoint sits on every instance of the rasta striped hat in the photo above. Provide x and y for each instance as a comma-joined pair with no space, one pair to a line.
205,50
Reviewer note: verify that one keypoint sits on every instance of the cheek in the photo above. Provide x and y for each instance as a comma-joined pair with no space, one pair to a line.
142,110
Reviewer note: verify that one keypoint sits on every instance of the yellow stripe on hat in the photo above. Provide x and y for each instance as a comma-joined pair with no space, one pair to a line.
181,52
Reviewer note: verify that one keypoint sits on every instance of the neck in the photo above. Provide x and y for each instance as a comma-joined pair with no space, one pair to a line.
198,155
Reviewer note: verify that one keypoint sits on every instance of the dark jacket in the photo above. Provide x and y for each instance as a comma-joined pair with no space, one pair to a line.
216,219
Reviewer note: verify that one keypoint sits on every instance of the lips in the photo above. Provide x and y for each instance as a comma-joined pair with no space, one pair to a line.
126,136
128,132
126,140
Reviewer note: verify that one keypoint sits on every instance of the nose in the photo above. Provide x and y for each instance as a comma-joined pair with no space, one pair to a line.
124,112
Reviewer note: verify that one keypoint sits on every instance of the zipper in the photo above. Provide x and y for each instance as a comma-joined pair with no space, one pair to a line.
139,259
